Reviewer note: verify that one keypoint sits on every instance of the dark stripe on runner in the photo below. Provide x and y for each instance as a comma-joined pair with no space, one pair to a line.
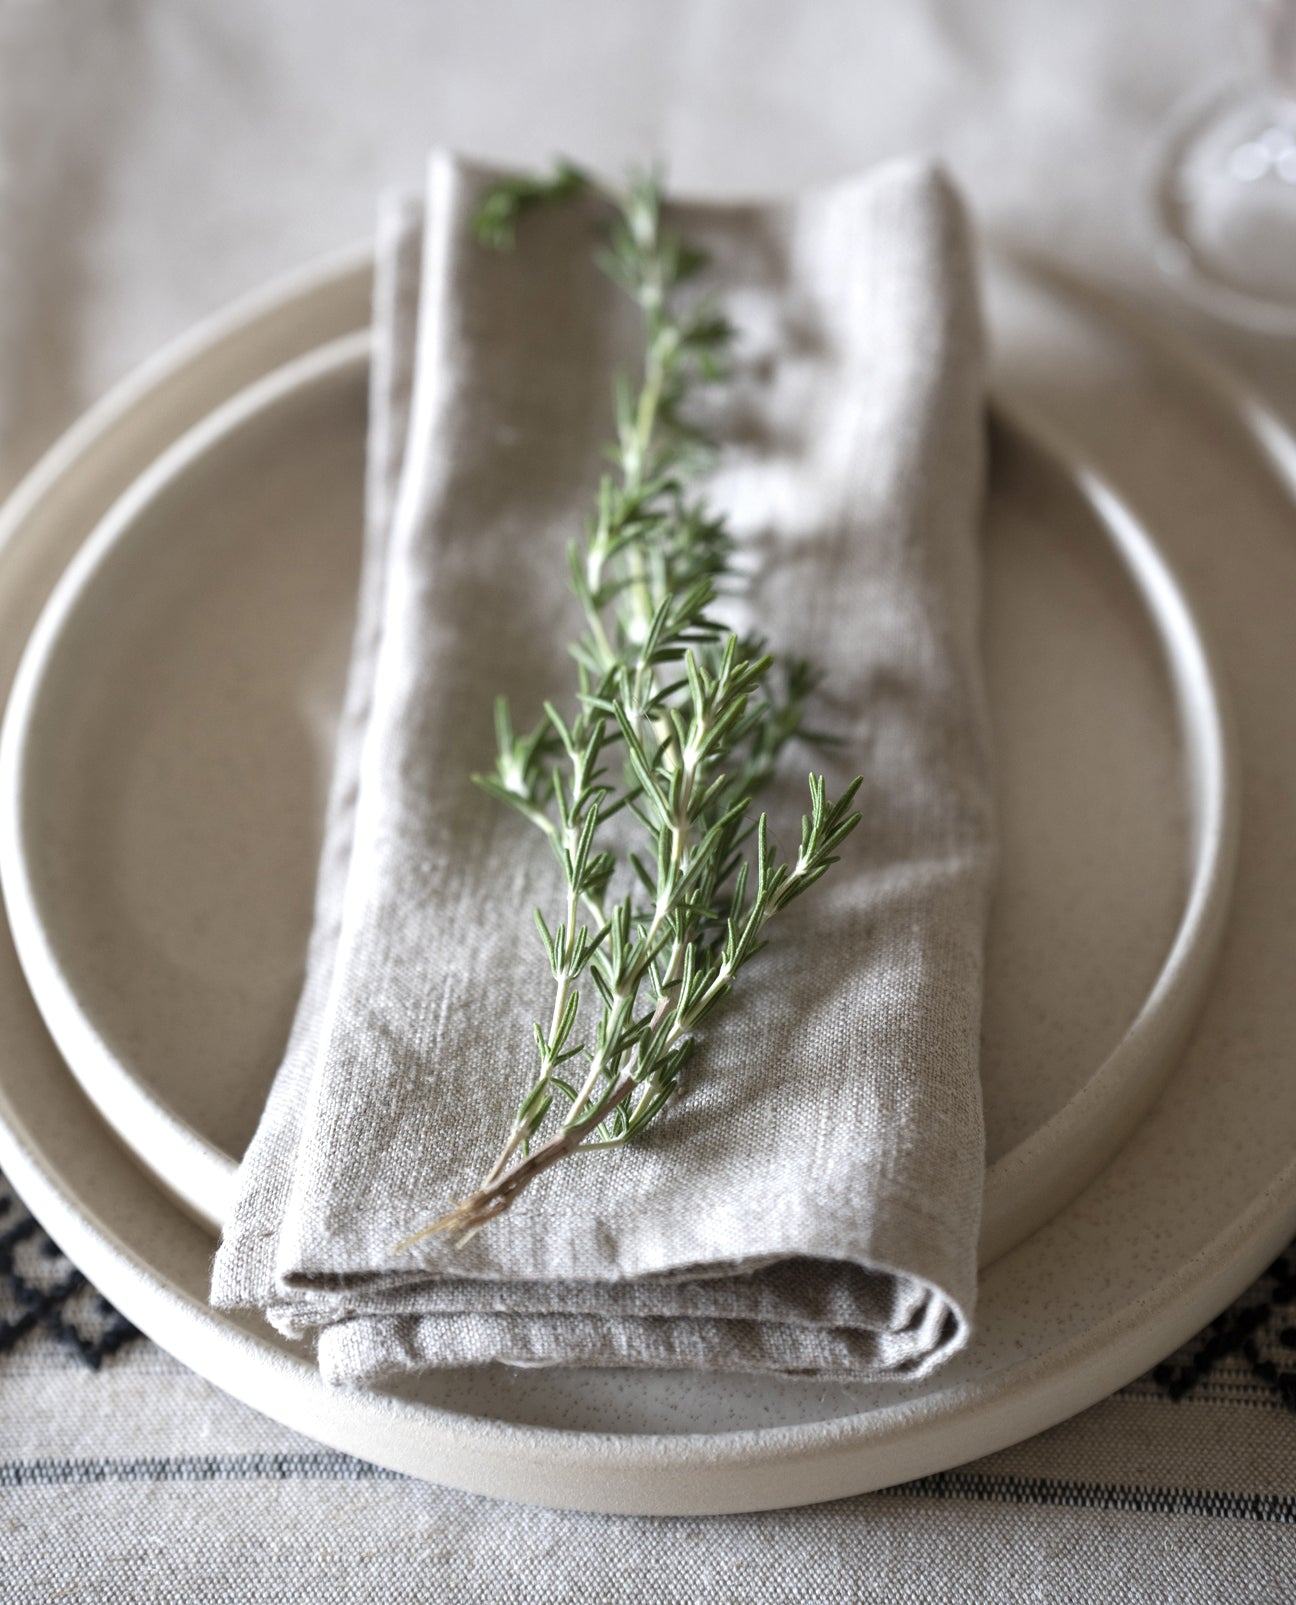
1049,1492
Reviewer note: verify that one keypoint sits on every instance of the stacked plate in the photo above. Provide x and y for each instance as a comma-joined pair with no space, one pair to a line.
182,570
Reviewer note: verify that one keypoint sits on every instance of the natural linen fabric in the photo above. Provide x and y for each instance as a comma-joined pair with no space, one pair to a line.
812,1203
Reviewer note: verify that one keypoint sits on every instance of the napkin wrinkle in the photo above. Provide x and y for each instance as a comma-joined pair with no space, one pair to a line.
362,1351
801,1293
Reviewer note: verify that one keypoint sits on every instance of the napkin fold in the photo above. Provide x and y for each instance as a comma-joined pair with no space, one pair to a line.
812,1203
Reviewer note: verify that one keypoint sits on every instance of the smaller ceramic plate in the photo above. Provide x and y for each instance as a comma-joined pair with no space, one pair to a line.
167,746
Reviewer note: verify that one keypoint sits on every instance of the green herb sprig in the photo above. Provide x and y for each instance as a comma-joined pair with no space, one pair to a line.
678,723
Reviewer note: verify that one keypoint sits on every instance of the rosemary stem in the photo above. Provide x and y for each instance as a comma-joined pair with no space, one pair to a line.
497,1194
645,423
598,1070
693,715
523,1130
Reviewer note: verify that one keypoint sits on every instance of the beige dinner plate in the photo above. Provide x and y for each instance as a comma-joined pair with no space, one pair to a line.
1179,1219
168,739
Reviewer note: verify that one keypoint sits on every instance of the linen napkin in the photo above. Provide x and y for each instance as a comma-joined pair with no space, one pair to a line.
811,1204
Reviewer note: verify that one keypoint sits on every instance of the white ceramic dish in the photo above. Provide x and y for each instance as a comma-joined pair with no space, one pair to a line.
1202,1195
162,771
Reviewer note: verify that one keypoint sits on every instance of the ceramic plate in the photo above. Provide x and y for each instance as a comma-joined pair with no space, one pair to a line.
1183,1217
167,745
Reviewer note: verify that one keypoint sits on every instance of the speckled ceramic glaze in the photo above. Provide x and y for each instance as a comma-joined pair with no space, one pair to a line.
1185,1213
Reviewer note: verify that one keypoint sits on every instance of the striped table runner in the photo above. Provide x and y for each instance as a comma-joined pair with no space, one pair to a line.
123,1476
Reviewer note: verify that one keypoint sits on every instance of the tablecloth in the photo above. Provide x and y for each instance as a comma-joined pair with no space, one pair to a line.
158,157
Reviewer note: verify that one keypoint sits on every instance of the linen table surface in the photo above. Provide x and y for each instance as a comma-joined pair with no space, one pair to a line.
157,158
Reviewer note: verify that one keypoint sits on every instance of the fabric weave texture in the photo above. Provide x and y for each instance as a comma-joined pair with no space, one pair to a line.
812,1204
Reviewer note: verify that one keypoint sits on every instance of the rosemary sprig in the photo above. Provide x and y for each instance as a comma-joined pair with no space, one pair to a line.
692,718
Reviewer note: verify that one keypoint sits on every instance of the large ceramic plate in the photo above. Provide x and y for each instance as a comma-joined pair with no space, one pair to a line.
1192,1207
168,735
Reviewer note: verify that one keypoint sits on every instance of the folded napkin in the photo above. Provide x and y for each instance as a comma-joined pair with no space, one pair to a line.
811,1204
